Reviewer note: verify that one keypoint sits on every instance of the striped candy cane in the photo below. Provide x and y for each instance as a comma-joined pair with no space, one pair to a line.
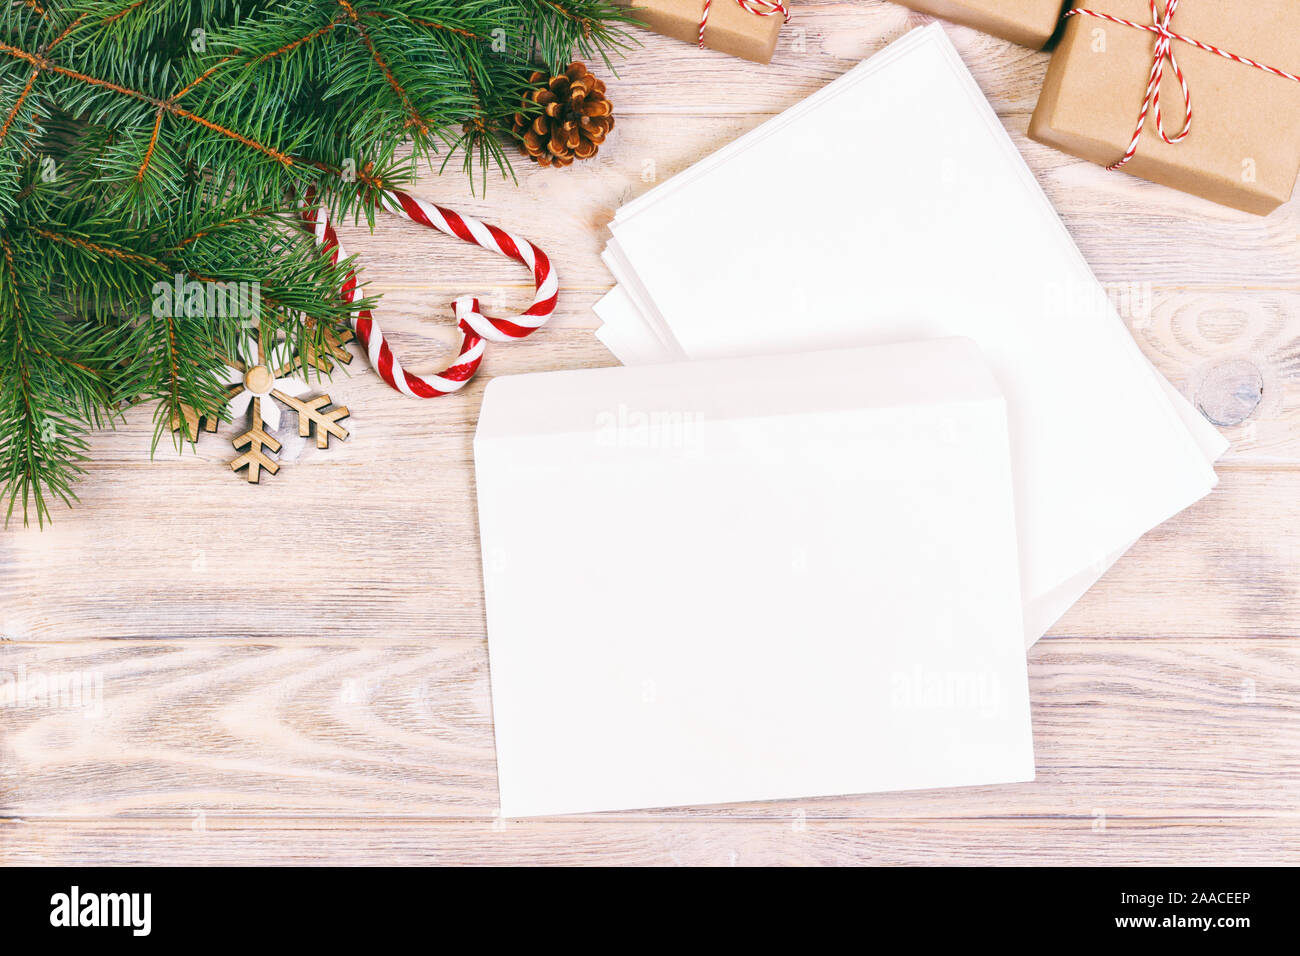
477,328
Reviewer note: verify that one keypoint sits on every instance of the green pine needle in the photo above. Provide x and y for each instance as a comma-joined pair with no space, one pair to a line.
150,144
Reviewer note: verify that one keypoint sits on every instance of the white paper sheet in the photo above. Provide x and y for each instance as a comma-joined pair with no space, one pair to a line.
905,212
703,589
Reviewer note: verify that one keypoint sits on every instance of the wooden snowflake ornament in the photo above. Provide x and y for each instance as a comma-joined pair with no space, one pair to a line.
262,379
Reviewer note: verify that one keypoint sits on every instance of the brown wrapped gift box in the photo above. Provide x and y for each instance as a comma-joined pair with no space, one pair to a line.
1027,22
1244,147
732,29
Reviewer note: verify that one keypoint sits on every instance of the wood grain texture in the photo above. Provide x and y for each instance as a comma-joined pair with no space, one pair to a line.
174,692
1132,728
216,841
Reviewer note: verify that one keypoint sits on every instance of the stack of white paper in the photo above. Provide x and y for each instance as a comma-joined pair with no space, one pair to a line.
705,587
892,206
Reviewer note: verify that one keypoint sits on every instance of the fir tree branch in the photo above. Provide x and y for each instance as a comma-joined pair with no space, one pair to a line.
148,143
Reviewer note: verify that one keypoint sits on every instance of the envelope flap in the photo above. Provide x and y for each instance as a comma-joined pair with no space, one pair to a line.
914,373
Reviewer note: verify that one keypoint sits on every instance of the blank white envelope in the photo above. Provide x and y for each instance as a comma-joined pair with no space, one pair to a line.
705,584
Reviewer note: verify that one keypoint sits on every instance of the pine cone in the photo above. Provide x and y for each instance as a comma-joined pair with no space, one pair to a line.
574,121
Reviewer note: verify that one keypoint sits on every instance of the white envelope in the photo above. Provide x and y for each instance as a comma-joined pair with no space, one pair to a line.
704,586
896,208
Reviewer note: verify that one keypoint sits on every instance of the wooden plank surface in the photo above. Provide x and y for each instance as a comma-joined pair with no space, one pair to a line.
1132,727
172,690
193,840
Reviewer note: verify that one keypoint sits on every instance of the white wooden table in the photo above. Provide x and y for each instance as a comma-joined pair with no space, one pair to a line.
297,671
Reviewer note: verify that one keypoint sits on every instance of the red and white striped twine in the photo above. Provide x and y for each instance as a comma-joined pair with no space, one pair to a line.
1164,51
760,8
476,327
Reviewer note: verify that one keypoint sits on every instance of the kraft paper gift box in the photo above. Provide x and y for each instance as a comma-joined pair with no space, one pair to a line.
1244,146
731,28
1027,22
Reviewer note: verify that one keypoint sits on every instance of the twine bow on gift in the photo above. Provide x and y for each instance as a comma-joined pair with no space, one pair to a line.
1164,51
760,8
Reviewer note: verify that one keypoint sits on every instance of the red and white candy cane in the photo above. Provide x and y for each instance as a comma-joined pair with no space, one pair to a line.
760,8
477,328
1164,51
